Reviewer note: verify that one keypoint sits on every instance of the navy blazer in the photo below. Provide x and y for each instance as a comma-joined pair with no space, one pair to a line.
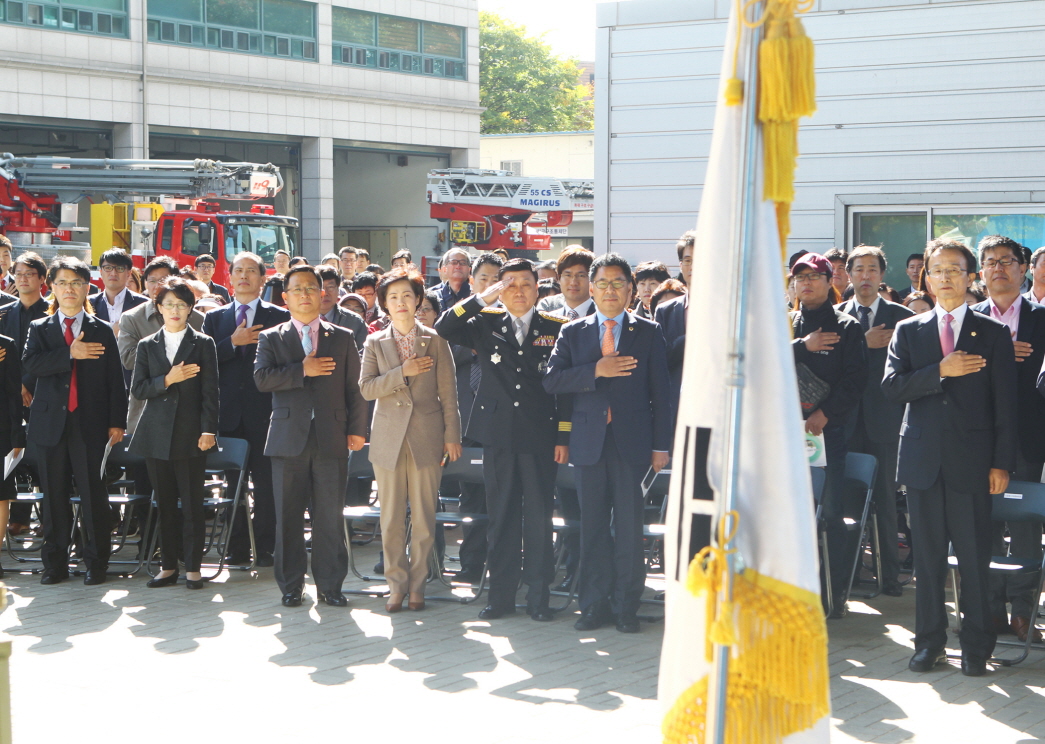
881,418
956,428
640,402
239,397
1030,416
132,300
671,316
101,395
11,326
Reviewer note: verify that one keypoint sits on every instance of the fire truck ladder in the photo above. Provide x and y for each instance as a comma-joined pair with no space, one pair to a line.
124,180
501,188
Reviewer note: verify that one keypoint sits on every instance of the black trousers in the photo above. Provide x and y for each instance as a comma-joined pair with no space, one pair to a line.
1025,543
841,548
519,535
316,483
884,498
473,545
570,506
613,566
940,515
264,503
74,459
180,479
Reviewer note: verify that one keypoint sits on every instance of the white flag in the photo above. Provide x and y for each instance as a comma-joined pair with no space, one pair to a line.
778,680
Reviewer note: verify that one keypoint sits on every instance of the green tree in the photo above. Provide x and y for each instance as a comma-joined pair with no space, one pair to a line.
524,86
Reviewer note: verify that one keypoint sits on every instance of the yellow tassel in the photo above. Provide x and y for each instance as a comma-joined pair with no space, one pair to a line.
783,224
781,156
803,74
774,63
734,91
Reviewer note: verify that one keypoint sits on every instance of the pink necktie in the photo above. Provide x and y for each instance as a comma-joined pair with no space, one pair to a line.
947,335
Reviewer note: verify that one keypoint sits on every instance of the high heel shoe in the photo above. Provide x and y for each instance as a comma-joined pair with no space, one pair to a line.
395,602
416,604
164,581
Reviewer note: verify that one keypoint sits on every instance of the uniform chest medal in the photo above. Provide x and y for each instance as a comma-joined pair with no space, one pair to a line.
495,358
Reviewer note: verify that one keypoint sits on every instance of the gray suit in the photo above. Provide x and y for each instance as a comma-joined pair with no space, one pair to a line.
351,321
307,439
136,324
414,417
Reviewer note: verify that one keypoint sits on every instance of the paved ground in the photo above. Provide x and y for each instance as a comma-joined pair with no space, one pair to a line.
229,663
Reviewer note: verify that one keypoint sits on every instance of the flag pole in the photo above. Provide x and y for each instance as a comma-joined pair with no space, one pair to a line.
741,239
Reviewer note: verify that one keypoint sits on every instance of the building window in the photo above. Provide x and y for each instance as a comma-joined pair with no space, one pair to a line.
102,17
512,166
384,42
277,28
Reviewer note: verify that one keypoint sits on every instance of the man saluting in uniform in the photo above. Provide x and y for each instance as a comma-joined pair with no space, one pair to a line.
523,432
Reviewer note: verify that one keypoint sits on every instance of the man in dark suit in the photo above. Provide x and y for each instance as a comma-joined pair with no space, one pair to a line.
523,432
955,370
914,271
1036,293
110,304
454,267
318,415
671,316
204,265
615,365
332,313
874,428
243,410
79,405
1003,265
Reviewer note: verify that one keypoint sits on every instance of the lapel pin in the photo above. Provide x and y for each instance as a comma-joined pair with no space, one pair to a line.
631,328
423,344
504,329
495,358
973,333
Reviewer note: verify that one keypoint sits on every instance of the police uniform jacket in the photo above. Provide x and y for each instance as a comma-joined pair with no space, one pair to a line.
511,409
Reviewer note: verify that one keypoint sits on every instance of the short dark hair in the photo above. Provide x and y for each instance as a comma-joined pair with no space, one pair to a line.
330,256
204,258
918,295
611,259
652,270
894,296
298,261
667,287
252,256
375,269
686,241
794,259
160,262
977,290
116,257
281,252
993,242
548,288
943,244
187,273
179,288
404,254
836,254
1036,256
866,250
417,284
518,264
328,274
488,259
914,257
364,279
573,255
302,269
32,261
347,249
433,298
362,252
68,263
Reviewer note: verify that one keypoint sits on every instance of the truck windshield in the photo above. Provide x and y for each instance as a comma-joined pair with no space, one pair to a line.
263,239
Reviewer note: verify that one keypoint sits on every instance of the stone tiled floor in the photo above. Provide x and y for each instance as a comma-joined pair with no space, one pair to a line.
229,663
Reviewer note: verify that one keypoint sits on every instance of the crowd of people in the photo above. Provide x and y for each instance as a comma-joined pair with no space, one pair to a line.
539,364
946,389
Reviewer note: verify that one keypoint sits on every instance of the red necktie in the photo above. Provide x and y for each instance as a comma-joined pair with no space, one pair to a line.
73,399
607,348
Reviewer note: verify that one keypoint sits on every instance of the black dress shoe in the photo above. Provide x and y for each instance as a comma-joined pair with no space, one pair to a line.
566,584
194,583
292,599
164,581
468,576
973,666
265,560
541,614
494,613
840,608
334,599
628,623
94,576
53,576
893,589
237,559
926,658
593,618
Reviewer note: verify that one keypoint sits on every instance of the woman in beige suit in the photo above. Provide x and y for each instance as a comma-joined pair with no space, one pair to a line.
407,368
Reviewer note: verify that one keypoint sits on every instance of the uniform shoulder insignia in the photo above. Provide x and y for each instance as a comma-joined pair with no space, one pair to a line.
494,310
549,316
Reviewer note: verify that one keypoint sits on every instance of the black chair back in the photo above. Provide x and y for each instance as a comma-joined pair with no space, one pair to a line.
1022,501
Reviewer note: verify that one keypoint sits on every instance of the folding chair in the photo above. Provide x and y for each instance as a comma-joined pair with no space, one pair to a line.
565,478
860,472
32,543
468,468
1022,501
655,486
819,478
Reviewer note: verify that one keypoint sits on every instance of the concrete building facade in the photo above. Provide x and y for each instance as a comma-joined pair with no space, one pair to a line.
355,100
929,123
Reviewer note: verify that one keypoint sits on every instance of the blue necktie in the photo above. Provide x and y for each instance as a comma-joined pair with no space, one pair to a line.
306,340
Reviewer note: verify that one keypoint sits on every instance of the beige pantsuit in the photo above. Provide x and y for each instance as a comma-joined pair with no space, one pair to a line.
413,420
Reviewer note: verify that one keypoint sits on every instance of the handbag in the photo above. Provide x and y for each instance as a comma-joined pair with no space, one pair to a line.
811,389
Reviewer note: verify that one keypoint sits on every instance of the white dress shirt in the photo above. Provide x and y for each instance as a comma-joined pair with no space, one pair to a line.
581,310
115,308
172,341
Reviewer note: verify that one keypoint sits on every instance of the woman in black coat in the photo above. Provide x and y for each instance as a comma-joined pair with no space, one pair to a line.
176,374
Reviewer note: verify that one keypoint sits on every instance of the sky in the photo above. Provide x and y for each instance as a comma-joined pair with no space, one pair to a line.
568,25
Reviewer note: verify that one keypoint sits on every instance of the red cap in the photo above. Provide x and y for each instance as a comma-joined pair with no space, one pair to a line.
813,261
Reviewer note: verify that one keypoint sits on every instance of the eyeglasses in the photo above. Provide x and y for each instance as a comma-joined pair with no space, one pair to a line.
175,306
298,291
110,269
951,272
604,284
1005,263
458,262
809,277
25,274
687,261
75,284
